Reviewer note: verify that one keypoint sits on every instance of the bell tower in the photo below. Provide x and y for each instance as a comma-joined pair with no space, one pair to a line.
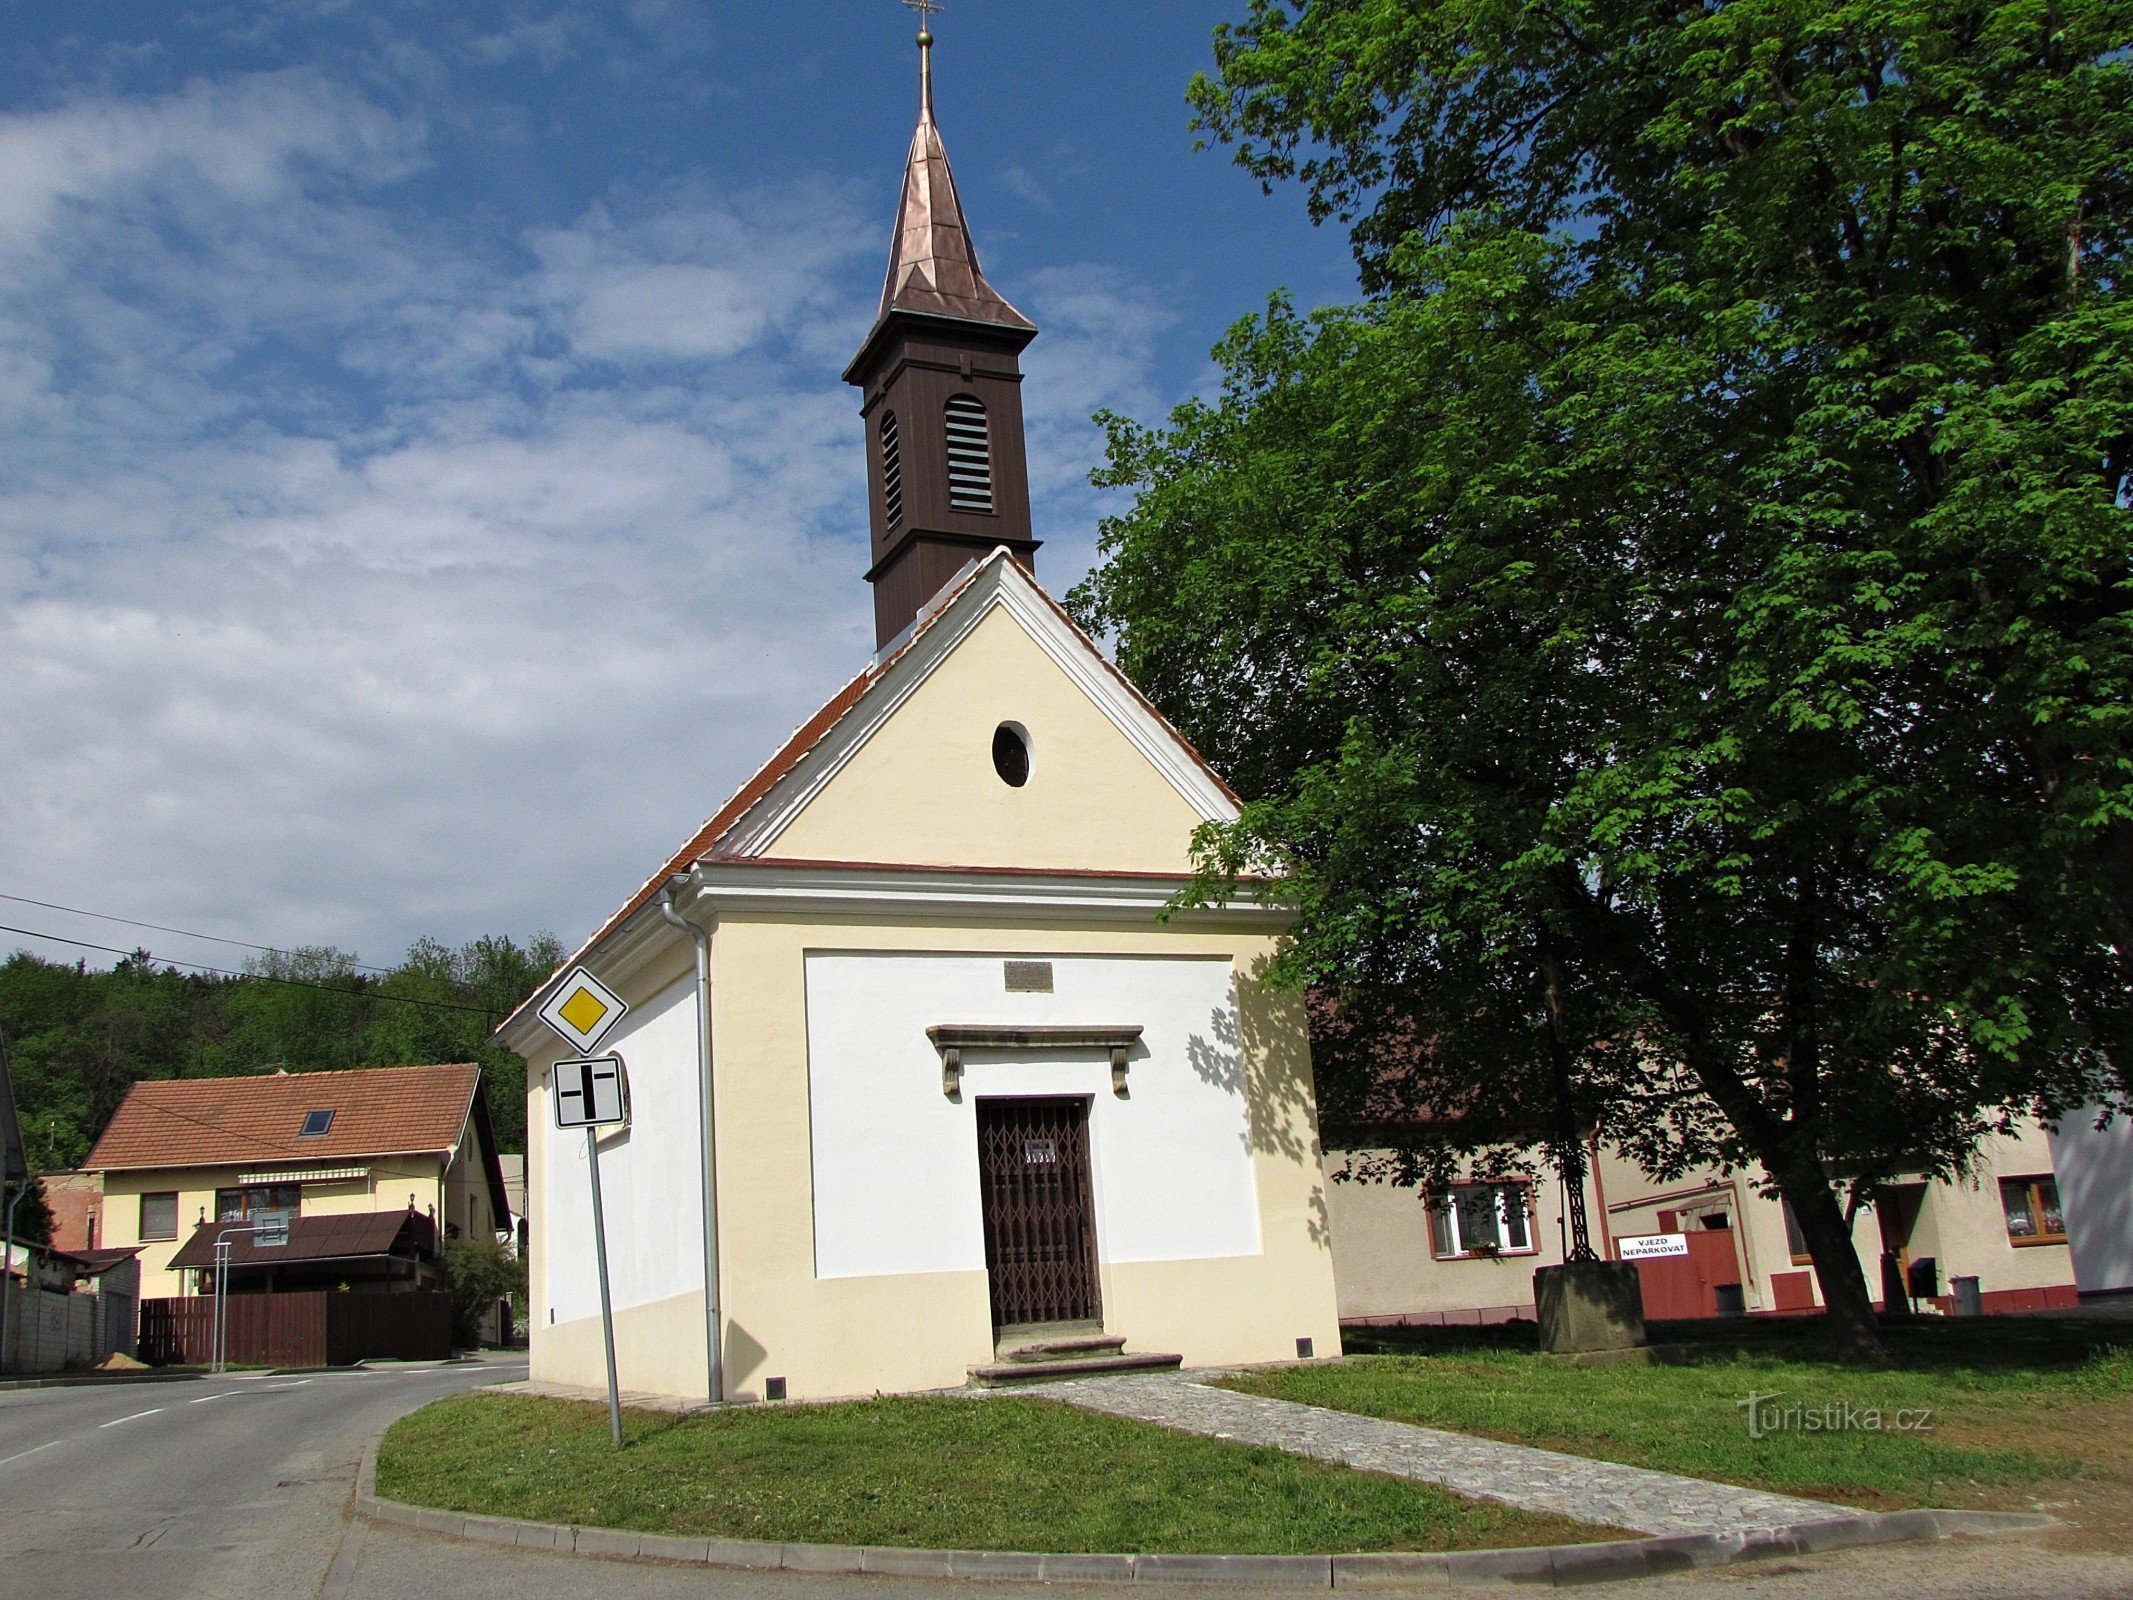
940,388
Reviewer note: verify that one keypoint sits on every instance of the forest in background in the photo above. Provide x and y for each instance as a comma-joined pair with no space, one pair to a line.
78,1038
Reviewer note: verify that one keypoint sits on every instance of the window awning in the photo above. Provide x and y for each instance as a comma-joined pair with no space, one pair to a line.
306,1175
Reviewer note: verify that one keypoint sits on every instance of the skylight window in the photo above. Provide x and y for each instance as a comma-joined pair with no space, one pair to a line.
316,1123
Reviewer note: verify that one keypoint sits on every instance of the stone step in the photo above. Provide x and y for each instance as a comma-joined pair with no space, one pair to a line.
1005,1374
1070,1349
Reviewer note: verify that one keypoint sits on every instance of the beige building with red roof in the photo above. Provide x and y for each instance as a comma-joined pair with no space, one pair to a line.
182,1157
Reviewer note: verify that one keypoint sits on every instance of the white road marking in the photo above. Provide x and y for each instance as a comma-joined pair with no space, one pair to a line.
33,1449
225,1395
136,1417
298,1384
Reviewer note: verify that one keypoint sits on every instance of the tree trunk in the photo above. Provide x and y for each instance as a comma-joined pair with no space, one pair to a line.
1829,1245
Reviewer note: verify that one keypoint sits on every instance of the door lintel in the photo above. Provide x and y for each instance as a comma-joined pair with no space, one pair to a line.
951,1039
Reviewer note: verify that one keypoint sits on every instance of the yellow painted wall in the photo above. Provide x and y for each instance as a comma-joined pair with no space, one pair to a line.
393,1182
923,791
1385,1266
910,1331
1960,1222
466,1190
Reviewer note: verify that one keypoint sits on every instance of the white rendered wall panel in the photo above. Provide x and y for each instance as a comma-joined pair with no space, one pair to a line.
648,1175
895,1160
2095,1171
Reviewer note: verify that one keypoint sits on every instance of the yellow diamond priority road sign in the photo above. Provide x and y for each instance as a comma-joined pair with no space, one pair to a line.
583,1010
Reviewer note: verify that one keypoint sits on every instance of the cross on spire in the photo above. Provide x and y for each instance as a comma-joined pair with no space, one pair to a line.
925,10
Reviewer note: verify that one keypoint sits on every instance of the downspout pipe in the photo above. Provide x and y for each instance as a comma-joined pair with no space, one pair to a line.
706,1136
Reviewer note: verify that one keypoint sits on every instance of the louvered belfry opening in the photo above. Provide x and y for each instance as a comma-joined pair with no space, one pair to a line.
1040,1213
944,356
892,471
969,455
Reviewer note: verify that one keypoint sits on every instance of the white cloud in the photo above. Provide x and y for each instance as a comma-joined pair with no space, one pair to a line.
362,577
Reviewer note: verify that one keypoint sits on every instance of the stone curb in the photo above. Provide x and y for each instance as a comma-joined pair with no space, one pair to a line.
105,1380
1553,1565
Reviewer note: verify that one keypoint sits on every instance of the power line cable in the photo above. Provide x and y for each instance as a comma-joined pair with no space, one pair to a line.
258,977
157,927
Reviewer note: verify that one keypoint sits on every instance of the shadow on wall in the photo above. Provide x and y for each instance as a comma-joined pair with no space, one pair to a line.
741,1359
1259,1046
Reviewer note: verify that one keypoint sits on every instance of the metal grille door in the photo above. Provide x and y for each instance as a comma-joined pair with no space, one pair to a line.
1040,1220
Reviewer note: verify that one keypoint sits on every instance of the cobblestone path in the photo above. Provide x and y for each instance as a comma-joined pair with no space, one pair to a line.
1601,1492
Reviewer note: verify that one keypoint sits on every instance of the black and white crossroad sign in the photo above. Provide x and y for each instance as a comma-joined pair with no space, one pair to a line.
591,1092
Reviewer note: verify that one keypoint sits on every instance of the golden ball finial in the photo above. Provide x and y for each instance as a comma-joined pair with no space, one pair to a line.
925,38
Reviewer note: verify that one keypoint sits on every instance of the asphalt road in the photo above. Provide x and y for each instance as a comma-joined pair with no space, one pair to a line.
235,1486
240,1487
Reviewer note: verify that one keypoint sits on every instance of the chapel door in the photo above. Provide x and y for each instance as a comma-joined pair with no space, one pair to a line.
1040,1213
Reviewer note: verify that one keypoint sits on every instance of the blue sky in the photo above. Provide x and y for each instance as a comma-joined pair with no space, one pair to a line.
425,485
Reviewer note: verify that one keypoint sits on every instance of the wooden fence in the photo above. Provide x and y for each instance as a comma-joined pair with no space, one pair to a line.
326,1329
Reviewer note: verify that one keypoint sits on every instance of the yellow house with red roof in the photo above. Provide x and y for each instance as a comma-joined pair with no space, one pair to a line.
183,1158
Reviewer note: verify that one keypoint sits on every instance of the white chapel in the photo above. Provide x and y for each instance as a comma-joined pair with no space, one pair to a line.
975,1107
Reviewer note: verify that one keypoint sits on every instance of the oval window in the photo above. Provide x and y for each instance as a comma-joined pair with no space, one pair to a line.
1010,755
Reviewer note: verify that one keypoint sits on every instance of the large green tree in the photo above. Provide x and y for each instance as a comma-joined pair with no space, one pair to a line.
1674,634
81,1038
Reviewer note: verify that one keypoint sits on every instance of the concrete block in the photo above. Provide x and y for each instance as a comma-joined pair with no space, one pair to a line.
489,1530
1282,1572
837,1558
615,1543
672,1547
904,1563
451,1522
1589,1305
1468,1569
1068,1567
744,1553
541,1536
1848,1533
1613,1560
1990,1522
1695,1549
999,1565
1398,1569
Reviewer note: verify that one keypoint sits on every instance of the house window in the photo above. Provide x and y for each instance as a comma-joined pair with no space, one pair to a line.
892,471
245,1205
316,1124
1795,1240
969,455
159,1215
2032,1209
1482,1219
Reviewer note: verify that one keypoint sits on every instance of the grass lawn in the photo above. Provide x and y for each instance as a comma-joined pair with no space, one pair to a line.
2025,1412
926,1473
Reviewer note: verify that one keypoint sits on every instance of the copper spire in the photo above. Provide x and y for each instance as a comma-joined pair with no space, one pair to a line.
933,265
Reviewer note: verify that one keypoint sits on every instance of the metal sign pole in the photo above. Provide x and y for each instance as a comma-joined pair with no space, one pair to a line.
7,1266
214,1339
607,1315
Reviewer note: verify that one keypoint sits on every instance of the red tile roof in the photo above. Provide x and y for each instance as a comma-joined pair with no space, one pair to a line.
257,1121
